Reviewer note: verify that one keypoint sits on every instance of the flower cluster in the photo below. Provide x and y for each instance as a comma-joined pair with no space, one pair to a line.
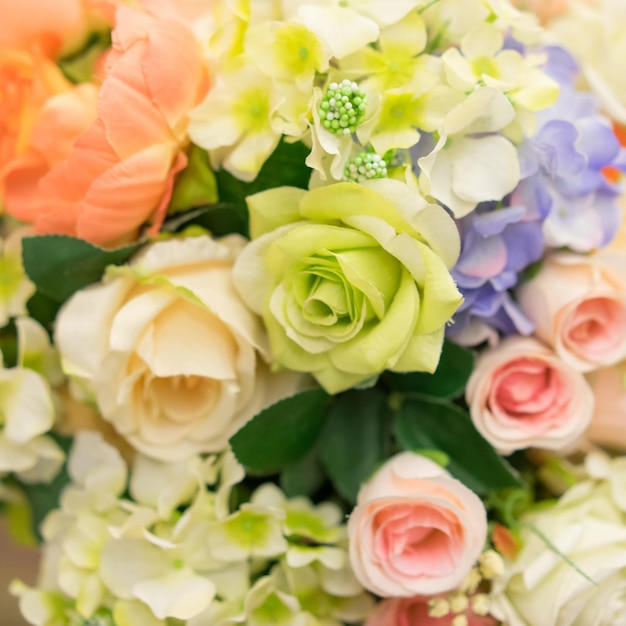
271,560
248,245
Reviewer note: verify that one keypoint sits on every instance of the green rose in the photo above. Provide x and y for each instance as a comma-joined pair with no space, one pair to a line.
351,279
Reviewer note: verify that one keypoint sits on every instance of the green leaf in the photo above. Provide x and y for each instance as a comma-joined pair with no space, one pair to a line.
285,167
219,219
282,433
195,186
352,443
449,379
304,477
434,424
43,309
60,265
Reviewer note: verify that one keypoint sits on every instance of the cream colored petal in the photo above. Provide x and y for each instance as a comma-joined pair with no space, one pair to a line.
180,594
344,30
27,404
82,326
136,315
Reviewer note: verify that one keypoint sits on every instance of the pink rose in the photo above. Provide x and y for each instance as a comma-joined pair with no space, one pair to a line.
522,395
414,612
415,529
608,424
578,306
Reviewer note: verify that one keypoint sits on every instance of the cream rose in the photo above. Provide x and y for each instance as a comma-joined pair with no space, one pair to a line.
578,306
415,529
522,395
540,588
173,357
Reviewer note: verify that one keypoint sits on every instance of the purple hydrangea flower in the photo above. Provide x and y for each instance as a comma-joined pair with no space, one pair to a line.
497,244
561,166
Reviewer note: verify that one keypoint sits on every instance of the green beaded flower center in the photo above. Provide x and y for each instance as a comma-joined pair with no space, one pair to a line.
342,107
365,166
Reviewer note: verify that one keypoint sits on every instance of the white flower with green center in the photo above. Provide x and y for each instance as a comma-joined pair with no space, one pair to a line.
347,25
267,606
350,279
332,600
401,113
234,123
393,61
253,531
15,288
481,61
471,163
27,410
289,52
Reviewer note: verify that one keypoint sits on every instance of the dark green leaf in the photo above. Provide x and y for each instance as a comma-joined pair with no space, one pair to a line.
43,309
219,219
285,167
352,443
304,477
448,381
434,424
60,265
281,434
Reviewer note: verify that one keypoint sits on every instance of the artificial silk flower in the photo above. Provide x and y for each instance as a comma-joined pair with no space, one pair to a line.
174,358
542,587
28,411
394,61
332,271
578,306
415,530
234,123
114,180
349,25
287,51
522,395
472,162
56,29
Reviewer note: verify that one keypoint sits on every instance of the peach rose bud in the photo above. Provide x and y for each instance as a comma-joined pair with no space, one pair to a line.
415,529
522,395
578,306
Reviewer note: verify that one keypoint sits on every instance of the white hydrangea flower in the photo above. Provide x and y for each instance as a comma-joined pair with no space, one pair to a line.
471,162
27,410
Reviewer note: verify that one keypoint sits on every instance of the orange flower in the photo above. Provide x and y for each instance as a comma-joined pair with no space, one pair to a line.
27,82
120,171
54,27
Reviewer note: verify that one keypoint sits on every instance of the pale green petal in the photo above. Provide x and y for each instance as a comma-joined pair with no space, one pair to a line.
306,239
335,381
406,38
131,613
422,353
180,594
246,159
459,72
484,110
274,208
343,30
380,346
96,465
440,296
484,40
126,562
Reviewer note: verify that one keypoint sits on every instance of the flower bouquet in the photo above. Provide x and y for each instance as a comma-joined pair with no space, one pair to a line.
314,311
